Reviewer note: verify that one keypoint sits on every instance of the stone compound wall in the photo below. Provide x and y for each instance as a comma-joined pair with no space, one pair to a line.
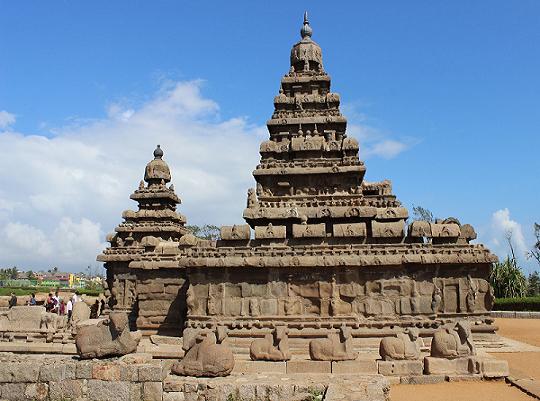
61,379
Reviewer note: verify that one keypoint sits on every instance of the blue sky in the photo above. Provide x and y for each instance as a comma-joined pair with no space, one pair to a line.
444,97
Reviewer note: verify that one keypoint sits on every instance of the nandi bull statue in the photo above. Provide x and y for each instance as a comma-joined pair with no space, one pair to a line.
336,347
405,346
206,356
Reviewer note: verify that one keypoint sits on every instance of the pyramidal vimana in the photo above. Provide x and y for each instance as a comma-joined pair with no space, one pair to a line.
323,253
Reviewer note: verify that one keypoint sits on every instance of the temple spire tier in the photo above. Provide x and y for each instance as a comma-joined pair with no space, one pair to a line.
156,218
309,167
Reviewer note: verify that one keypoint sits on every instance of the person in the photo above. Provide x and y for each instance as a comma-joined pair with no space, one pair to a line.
32,301
49,303
69,310
56,299
94,310
75,297
62,308
12,300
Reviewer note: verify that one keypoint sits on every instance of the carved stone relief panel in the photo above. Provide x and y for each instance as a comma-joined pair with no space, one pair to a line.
350,230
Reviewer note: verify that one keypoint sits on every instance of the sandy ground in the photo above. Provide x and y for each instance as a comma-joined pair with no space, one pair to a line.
525,330
525,364
458,391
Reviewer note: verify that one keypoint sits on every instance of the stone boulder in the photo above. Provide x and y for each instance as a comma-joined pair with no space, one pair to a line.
107,338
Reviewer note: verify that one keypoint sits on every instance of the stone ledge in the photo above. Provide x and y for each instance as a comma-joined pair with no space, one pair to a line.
308,366
259,367
358,366
442,366
401,368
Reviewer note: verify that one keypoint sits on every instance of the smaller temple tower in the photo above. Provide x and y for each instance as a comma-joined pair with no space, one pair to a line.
155,221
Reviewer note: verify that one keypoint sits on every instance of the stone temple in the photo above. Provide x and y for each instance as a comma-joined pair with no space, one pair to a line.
324,255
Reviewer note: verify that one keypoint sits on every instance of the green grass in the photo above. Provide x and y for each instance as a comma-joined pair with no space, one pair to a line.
531,304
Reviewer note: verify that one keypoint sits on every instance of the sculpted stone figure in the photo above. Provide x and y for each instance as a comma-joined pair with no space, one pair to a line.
273,347
405,346
453,342
206,358
336,347
107,338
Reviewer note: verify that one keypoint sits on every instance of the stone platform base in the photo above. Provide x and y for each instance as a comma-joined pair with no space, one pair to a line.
302,366
137,377
401,368
489,368
277,387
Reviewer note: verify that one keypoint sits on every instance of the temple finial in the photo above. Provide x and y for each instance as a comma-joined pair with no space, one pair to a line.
306,30
158,153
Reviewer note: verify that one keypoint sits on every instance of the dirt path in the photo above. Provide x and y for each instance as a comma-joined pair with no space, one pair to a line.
524,330
458,391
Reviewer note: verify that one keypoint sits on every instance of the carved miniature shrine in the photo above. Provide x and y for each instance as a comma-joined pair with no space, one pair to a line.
324,260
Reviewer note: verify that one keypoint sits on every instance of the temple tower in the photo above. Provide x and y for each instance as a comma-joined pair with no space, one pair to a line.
155,221
310,172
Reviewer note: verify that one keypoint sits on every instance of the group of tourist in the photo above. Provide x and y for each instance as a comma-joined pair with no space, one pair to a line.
53,303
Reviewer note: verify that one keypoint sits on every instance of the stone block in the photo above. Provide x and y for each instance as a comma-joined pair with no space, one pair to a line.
363,366
259,367
493,368
65,390
270,232
174,383
99,390
464,378
388,230
106,371
136,390
153,391
309,230
307,366
13,391
151,373
83,370
56,372
37,391
432,379
15,372
236,232
401,368
137,358
174,396
442,366
350,230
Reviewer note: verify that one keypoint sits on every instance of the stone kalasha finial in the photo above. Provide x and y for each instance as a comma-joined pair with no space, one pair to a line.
158,153
306,29
157,171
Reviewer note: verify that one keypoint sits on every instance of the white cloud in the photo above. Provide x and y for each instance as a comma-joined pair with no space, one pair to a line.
6,119
59,195
502,226
375,143
387,149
